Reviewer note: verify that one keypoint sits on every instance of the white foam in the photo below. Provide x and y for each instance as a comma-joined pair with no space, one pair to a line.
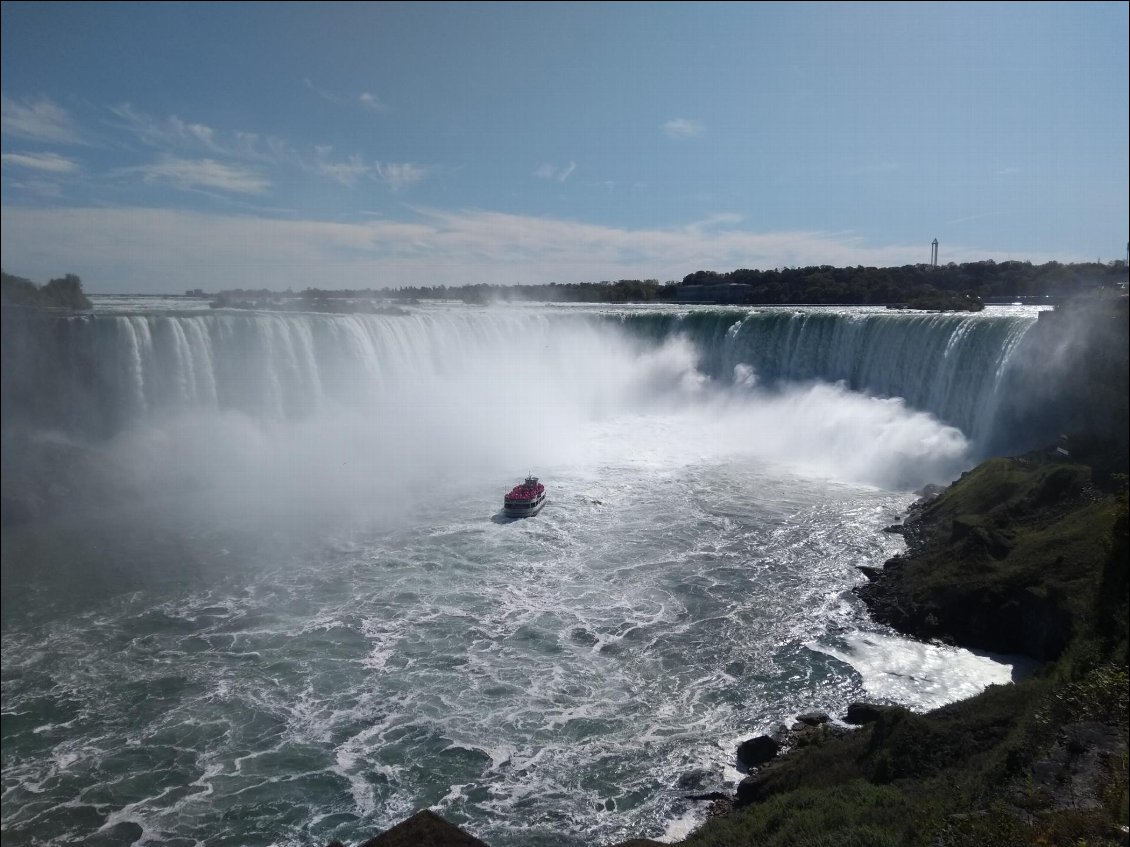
919,675
682,826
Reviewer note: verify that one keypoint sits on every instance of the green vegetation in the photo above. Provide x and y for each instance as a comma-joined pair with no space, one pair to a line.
1039,762
63,293
360,300
1010,559
943,301
964,287
917,286
992,770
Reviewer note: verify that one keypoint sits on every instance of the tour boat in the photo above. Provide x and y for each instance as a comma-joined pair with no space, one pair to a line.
525,500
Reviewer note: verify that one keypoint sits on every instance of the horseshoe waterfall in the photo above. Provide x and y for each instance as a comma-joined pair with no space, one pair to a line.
259,589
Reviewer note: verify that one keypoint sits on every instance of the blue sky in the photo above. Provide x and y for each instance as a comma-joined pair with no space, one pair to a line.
154,147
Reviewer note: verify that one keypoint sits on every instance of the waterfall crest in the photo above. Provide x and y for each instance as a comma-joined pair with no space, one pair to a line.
95,375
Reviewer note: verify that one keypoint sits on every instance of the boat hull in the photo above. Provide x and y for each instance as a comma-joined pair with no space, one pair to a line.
523,510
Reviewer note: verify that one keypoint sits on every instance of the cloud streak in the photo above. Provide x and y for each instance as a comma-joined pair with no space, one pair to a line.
347,172
39,120
189,174
366,99
371,102
178,138
46,162
398,175
154,250
555,172
683,128
172,134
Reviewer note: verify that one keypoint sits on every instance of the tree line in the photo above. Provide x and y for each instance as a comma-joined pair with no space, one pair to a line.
64,293
929,287
987,280
923,285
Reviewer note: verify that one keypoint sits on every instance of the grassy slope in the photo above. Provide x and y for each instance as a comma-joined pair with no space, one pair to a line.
1039,762
1008,559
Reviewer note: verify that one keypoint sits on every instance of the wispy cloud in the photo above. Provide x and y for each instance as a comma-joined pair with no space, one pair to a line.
49,162
201,173
347,172
1009,171
172,134
719,219
325,94
397,175
354,169
178,139
560,173
438,247
163,132
969,218
372,102
366,99
45,188
40,120
683,128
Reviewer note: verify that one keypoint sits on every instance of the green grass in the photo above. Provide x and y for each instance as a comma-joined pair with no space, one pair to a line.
975,772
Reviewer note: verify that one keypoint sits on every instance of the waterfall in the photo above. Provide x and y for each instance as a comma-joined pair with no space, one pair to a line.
954,366
96,374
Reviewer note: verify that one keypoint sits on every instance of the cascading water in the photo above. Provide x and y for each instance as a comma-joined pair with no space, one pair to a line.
953,366
100,373
271,598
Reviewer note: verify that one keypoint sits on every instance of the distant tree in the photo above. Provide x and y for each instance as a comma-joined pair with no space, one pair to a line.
18,291
65,292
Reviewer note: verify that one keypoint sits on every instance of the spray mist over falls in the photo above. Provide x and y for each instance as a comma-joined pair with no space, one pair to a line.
314,411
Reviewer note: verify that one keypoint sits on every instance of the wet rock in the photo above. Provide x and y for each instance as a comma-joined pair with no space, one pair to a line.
750,790
424,829
754,752
928,493
697,779
814,718
860,713
805,735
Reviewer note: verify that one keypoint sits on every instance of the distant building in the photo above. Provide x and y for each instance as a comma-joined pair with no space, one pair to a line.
194,292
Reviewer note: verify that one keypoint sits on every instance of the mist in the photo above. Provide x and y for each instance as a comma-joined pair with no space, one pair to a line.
472,412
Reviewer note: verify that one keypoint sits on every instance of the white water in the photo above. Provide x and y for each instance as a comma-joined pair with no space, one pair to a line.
307,618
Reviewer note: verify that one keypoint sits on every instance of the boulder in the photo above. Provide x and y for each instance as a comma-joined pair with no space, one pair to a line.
698,779
754,752
750,790
424,829
859,713
814,718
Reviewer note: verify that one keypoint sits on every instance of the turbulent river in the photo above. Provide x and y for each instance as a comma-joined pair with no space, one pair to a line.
281,605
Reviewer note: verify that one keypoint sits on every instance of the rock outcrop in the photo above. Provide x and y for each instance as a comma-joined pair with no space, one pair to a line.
994,563
423,829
